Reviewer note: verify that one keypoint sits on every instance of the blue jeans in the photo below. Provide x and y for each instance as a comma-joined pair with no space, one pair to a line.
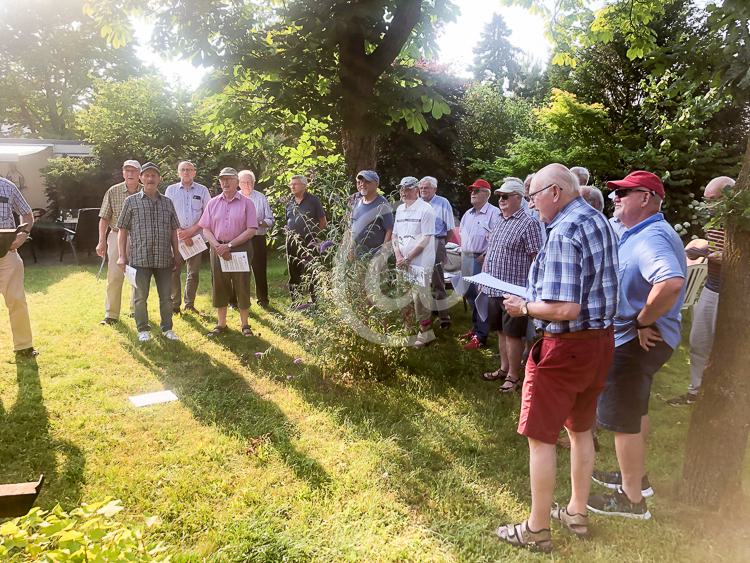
163,277
470,266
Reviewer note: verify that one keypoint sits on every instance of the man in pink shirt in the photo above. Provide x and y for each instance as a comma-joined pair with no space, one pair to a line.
229,222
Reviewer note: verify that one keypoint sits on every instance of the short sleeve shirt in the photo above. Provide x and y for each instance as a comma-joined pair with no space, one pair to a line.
444,220
150,223
513,243
303,218
650,252
189,203
370,222
114,198
411,224
577,264
476,227
227,219
11,201
262,211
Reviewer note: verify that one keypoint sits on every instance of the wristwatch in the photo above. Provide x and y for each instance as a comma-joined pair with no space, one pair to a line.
525,308
229,244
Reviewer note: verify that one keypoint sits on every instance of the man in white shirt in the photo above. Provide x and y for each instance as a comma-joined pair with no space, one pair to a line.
189,199
414,247
258,242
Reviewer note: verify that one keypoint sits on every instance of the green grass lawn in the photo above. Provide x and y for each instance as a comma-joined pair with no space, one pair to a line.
265,460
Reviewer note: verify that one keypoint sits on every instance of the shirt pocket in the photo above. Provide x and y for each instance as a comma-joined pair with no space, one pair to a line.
6,211
196,205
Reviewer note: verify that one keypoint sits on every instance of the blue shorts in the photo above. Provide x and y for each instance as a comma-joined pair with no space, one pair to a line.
628,387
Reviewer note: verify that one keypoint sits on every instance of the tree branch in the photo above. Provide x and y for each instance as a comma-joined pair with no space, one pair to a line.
405,17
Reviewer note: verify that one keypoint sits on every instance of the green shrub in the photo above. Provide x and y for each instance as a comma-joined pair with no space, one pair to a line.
73,183
87,533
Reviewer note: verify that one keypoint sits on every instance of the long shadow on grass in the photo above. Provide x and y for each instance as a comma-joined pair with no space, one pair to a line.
27,449
217,395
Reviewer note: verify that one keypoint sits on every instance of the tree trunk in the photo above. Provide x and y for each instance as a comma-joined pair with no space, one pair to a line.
359,129
359,151
718,433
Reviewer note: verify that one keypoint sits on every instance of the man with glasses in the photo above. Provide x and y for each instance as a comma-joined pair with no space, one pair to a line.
705,309
513,245
572,297
190,199
652,273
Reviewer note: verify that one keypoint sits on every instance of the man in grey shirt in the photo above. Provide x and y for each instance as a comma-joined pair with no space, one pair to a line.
189,199
258,242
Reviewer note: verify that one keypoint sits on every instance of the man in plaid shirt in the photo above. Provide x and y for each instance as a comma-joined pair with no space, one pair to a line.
573,299
513,244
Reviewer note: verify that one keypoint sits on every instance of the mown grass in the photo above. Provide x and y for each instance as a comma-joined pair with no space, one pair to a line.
265,460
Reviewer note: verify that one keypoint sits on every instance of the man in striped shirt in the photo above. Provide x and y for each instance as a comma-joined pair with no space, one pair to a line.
704,311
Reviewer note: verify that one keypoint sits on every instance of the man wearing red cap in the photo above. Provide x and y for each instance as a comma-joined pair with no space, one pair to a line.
647,329
476,226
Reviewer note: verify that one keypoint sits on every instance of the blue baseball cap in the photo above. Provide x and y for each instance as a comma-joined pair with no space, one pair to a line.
368,175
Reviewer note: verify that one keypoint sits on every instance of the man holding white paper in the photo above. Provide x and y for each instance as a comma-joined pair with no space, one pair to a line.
229,222
190,199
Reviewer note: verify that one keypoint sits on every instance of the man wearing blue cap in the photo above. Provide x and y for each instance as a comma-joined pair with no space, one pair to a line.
372,216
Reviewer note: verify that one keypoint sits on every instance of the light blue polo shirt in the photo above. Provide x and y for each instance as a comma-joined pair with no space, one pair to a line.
649,252
444,220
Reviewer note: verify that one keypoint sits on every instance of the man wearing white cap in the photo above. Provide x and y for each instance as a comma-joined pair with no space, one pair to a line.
114,198
414,247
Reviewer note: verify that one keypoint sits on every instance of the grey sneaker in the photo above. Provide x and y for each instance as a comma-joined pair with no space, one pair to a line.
613,480
170,335
618,504
144,336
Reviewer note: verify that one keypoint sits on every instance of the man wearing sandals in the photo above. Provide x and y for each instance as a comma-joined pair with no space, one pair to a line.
229,222
513,245
572,298
652,273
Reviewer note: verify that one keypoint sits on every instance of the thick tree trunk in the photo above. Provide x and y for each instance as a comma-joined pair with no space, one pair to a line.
359,151
718,434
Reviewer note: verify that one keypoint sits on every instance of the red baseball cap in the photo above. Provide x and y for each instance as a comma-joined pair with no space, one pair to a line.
480,184
640,179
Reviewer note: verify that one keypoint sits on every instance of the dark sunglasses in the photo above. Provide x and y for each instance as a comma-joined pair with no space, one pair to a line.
506,196
623,192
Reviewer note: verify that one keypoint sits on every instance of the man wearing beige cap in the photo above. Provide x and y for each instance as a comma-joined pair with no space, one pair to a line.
11,265
108,215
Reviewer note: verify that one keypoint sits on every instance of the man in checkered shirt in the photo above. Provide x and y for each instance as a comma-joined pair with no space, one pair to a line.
513,245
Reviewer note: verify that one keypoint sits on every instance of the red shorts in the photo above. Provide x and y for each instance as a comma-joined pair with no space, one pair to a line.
563,381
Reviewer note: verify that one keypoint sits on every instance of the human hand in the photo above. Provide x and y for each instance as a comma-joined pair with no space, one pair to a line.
21,237
402,263
101,248
480,259
122,262
513,305
648,337
188,241
182,234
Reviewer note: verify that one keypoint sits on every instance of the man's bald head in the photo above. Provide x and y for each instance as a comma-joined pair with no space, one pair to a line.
555,174
552,188
716,186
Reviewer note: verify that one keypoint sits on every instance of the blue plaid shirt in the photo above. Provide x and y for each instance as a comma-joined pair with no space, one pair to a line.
577,264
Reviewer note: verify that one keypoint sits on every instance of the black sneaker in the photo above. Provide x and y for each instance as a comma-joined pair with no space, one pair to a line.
682,400
618,504
613,480
108,321
27,354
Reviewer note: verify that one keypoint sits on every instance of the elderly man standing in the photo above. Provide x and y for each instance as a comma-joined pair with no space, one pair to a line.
371,216
258,242
147,241
647,330
593,196
305,219
229,222
581,174
190,199
476,226
414,247
11,267
445,223
108,215
704,311
572,297
513,245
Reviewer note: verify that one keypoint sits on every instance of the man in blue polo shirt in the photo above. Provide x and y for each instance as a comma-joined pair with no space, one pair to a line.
444,223
647,330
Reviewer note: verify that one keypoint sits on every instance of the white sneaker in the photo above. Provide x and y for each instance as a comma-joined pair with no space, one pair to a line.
144,336
424,338
170,335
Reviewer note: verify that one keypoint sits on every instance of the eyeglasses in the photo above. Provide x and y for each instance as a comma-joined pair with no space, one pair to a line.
534,194
623,192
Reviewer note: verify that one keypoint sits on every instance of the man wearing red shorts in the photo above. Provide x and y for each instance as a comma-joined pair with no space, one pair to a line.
573,298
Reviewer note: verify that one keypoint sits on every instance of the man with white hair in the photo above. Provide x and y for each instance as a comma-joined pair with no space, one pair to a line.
704,311
414,246
258,242
572,297
582,174
444,224
593,196
190,199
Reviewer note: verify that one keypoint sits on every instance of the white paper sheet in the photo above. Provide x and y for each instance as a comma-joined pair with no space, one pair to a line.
238,263
199,245
153,398
130,274
490,281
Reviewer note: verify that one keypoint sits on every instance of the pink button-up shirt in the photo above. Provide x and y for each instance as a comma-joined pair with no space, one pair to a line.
229,219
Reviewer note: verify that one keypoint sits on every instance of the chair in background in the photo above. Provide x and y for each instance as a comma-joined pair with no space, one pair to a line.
696,277
85,237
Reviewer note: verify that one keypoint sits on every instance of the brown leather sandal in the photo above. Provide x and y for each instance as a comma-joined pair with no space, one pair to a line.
514,385
495,375
520,535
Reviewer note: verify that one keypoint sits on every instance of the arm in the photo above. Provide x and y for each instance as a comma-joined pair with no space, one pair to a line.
545,310
122,247
661,299
176,249
101,247
244,236
23,236
388,236
322,222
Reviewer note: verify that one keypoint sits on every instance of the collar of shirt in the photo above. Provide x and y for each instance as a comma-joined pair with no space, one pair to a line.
159,195
570,207
237,195
635,229
485,209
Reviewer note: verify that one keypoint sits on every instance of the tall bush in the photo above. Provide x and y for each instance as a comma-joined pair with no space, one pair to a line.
73,183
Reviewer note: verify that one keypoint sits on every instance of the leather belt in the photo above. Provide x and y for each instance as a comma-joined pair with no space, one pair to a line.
581,334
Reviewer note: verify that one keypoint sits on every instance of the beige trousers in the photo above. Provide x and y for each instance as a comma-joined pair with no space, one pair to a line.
11,286
115,279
